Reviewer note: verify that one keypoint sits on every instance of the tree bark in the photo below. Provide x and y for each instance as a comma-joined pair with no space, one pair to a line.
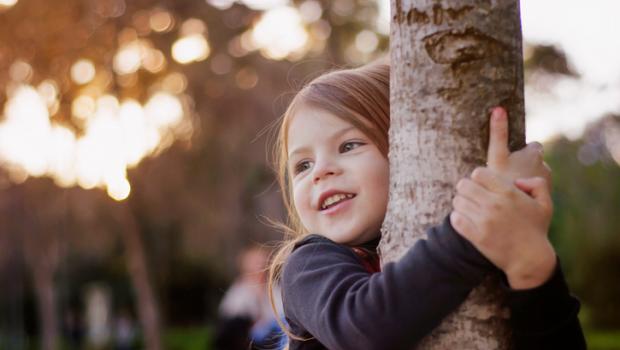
452,60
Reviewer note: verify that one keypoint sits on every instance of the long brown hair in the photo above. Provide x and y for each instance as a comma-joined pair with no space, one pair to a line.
360,96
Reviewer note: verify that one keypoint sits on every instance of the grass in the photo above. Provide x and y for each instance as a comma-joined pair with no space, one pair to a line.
187,338
603,340
198,338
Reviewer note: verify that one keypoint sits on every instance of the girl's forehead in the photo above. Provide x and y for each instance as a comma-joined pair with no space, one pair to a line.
309,125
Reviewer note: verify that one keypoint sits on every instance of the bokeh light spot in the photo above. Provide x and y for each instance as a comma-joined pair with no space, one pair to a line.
264,4
20,71
192,48
280,32
246,78
83,107
366,41
193,26
163,110
83,71
343,8
221,64
48,90
310,11
161,21
154,61
128,59
221,4
175,83
114,136
7,3
119,190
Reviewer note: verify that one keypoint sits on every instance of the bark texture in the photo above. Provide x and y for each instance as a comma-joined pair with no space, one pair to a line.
452,60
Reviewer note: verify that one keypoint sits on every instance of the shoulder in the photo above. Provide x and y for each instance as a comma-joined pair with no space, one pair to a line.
313,245
314,259
316,250
313,273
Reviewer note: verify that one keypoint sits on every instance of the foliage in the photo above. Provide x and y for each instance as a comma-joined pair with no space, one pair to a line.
586,226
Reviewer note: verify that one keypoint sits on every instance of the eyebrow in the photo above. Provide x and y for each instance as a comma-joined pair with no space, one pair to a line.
333,136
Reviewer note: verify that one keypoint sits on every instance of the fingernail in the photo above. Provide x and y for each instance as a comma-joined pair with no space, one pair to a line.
498,113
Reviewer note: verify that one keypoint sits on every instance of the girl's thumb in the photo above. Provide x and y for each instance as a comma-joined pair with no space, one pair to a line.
537,188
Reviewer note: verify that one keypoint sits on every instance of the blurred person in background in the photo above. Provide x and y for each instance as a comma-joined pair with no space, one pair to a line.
124,331
246,319
73,329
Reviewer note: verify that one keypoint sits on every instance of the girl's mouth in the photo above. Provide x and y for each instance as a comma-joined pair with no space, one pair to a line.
335,199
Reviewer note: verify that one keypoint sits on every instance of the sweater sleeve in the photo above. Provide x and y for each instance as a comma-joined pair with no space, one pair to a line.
328,293
545,317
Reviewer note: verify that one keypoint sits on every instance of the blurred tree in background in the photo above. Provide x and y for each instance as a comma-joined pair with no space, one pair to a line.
132,150
133,142
586,225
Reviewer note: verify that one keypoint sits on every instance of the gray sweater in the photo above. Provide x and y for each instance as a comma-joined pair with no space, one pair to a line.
330,297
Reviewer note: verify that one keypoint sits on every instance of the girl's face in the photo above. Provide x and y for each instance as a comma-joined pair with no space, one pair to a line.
340,178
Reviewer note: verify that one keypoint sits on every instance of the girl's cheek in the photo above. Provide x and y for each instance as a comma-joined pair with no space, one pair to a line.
299,197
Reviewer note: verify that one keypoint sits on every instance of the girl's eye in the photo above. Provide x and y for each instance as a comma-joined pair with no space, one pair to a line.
302,166
350,145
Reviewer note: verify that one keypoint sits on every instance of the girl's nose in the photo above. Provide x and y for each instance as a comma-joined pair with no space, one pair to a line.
324,170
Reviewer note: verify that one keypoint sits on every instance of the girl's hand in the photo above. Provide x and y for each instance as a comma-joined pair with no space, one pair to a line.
505,209
508,224
524,163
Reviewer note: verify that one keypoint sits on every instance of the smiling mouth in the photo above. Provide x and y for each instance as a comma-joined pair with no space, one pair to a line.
335,200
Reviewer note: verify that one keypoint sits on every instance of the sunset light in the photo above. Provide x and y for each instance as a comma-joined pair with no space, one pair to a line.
280,33
116,135
7,3
191,48
129,58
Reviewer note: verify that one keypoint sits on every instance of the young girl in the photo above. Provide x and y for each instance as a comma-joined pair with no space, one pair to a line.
334,175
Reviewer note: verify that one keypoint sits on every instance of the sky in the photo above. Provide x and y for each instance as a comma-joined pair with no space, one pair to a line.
588,33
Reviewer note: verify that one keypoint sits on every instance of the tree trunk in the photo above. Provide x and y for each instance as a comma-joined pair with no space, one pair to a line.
40,247
46,302
148,312
452,60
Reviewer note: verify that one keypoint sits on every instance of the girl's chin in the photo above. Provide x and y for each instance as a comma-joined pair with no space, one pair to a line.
340,238
347,239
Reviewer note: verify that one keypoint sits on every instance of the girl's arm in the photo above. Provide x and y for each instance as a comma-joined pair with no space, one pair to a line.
329,295
545,317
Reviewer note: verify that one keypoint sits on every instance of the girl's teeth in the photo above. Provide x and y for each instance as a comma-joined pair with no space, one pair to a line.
334,199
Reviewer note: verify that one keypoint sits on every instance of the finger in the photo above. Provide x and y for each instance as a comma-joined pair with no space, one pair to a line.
489,180
464,225
473,191
465,205
536,150
537,146
538,189
498,151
